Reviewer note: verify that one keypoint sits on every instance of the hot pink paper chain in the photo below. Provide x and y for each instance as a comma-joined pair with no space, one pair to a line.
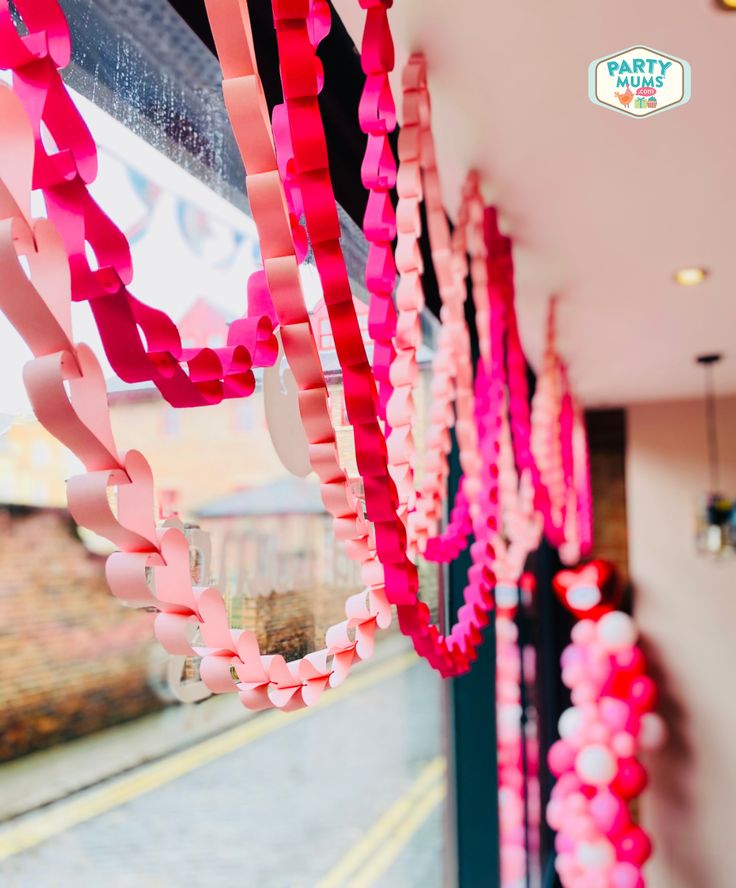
565,531
377,117
185,377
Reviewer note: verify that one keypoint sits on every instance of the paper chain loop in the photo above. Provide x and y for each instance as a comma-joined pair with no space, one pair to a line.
141,343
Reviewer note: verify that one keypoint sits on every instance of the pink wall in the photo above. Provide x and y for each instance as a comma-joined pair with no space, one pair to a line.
686,607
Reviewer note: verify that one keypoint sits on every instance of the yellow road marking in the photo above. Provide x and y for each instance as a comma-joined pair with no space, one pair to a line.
371,856
49,822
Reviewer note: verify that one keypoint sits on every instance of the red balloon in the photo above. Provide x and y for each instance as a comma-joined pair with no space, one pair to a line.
633,846
643,693
630,780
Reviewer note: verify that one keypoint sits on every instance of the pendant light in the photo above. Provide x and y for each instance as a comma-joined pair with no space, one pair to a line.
716,526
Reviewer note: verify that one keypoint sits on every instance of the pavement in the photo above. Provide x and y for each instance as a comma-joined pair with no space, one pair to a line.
351,793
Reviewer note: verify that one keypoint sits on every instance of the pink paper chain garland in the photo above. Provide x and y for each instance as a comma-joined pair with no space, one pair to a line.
153,568
185,377
574,524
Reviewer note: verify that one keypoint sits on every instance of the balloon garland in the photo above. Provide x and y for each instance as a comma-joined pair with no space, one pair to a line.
141,343
517,746
611,719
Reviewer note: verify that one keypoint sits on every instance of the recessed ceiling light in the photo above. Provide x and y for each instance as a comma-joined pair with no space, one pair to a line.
729,4
689,277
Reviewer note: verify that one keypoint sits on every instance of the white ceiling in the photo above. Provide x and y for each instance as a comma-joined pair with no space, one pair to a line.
602,208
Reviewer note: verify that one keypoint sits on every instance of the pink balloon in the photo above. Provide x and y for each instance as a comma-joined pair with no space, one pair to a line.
576,803
571,654
608,812
630,780
513,863
583,632
581,828
599,733
566,865
583,692
633,846
573,674
507,691
598,878
623,744
626,875
563,842
652,731
561,757
510,807
614,713
566,785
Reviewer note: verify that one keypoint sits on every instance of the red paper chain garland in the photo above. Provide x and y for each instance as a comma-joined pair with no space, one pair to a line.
185,377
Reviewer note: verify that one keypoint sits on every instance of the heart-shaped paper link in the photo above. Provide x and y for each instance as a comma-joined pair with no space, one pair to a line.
115,497
63,175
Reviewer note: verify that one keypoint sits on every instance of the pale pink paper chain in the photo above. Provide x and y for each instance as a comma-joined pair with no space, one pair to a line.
452,379
153,567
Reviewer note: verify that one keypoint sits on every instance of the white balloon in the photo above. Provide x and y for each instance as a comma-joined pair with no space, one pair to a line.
616,631
570,722
595,765
652,731
595,855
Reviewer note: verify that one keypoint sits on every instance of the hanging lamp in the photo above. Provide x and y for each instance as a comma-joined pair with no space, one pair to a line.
716,525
